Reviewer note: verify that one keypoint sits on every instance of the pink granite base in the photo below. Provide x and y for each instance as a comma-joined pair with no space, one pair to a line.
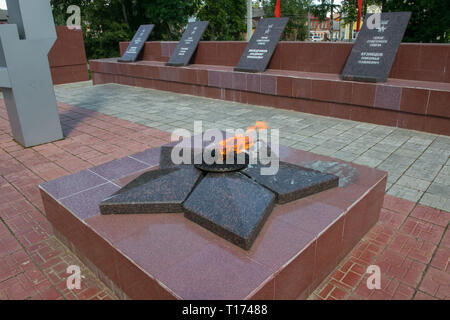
166,256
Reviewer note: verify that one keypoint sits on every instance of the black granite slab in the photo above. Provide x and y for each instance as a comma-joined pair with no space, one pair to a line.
292,182
230,205
188,44
156,191
262,44
233,205
375,50
138,42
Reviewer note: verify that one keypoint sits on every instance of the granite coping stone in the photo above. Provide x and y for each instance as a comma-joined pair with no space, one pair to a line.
306,75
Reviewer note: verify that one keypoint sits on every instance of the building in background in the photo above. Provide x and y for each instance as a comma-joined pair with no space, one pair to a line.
348,31
319,30
257,14
336,26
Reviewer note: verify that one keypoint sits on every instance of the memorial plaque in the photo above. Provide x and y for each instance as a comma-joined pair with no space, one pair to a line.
188,44
375,48
261,46
138,42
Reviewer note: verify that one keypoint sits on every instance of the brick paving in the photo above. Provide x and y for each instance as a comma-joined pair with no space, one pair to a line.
410,243
33,262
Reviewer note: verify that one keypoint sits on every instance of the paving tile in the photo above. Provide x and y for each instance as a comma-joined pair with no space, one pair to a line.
432,215
405,193
436,284
423,296
441,259
435,201
422,230
405,270
413,183
391,219
413,248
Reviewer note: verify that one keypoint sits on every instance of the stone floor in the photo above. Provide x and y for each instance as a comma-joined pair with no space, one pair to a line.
418,163
410,243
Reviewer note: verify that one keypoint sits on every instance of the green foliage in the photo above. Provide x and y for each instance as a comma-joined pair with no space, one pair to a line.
226,19
350,7
430,19
107,22
323,8
297,11
169,16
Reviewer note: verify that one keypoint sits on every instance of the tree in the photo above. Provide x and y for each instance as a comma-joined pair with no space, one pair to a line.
430,19
226,19
350,8
169,16
107,22
296,11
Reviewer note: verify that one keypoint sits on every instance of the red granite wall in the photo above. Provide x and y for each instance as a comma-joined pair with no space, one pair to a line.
414,61
67,58
304,77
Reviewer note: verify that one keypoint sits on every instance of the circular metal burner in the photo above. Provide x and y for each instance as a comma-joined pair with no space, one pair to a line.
224,167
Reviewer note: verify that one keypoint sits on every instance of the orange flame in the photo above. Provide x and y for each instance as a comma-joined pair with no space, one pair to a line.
240,143
260,125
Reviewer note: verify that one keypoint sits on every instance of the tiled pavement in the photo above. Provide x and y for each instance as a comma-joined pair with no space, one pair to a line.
410,243
418,163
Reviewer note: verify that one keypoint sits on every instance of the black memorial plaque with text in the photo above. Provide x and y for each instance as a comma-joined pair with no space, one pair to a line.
138,42
261,46
188,44
375,48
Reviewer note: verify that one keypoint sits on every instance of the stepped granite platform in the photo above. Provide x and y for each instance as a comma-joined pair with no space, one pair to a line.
166,256
303,77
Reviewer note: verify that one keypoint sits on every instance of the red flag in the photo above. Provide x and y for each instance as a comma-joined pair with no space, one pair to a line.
278,9
359,15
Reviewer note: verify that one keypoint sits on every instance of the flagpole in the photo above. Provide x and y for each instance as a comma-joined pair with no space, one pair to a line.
358,23
249,20
309,19
277,9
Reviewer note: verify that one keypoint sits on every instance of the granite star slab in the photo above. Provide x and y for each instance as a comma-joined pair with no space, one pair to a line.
155,191
292,182
234,204
230,205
